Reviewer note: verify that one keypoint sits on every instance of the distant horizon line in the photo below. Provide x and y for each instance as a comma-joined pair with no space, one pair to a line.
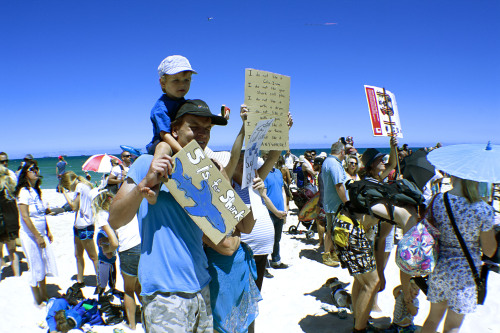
117,151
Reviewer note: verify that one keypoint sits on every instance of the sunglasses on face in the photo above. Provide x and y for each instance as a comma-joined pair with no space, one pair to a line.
127,155
353,163
33,169
4,162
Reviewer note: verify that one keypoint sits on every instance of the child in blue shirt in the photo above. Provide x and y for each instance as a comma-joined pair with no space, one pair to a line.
175,79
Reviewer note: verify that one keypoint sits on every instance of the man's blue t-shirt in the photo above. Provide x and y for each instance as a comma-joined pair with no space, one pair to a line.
274,187
162,115
172,256
61,167
300,175
332,173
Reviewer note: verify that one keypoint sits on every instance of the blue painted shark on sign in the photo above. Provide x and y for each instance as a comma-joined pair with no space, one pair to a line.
203,206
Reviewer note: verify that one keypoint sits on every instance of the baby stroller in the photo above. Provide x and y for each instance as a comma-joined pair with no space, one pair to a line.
301,196
308,214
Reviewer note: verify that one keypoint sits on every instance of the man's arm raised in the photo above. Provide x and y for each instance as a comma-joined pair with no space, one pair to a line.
129,197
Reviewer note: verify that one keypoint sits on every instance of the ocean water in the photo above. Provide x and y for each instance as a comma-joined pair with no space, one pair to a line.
47,165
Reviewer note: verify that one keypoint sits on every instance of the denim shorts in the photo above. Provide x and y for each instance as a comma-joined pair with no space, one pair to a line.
129,260
85,233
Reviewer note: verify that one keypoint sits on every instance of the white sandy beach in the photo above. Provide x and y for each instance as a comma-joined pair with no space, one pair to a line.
292,301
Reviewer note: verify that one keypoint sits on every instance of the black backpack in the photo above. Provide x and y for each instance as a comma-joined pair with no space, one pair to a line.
366,193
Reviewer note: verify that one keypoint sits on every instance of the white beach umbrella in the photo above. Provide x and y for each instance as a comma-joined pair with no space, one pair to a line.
476,162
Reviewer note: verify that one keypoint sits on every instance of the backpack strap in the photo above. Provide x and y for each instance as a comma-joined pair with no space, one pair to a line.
477,279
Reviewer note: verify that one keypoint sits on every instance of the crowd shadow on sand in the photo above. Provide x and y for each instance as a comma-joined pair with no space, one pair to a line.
53,290
7,271
89,280
311,254
301,237
331,322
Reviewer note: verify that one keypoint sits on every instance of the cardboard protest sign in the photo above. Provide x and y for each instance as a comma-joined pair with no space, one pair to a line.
252,150
383,112
204,193
267,96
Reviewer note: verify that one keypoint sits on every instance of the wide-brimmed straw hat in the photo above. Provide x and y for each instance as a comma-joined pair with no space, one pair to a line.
476,162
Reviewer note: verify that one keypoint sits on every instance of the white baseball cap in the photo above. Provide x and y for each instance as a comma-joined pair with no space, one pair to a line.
174,64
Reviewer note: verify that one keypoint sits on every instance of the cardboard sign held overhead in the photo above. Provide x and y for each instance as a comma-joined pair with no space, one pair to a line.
204,193
267,96
384,113
252,151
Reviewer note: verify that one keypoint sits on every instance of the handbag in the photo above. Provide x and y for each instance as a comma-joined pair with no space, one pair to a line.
417,251
480,280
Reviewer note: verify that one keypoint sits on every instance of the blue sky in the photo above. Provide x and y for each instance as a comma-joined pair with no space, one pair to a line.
80,76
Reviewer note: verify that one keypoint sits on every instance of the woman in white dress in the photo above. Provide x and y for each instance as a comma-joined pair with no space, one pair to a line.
35,234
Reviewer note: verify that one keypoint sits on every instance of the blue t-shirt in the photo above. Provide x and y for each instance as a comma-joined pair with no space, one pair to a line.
172,256
101,256
332,173
300,175
162,115
61,167
274,187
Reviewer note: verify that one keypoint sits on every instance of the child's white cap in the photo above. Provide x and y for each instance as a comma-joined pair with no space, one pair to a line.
174,64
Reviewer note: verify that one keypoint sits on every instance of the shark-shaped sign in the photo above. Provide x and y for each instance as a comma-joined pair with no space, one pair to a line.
204,193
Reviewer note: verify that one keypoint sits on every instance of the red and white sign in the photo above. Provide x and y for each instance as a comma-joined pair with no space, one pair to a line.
384,113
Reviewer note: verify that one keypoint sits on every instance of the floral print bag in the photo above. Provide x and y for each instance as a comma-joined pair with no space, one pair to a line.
417,251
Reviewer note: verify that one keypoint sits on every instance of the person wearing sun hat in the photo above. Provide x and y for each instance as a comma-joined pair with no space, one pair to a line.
175,80
173,267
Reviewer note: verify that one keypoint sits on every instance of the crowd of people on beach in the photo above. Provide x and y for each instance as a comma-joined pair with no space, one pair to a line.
184,281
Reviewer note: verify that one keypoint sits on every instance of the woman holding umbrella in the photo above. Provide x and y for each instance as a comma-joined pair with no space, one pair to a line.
83,229
452,289
35,234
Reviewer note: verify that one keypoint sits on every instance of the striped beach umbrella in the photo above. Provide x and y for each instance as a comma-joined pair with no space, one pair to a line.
100,163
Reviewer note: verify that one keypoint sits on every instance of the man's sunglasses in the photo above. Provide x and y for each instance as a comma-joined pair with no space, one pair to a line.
4,161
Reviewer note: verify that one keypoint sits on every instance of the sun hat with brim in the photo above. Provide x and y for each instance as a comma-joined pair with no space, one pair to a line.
477,162
197,107
174,64
28,157
369,156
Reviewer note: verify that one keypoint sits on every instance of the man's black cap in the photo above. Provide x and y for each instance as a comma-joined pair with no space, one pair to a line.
197,107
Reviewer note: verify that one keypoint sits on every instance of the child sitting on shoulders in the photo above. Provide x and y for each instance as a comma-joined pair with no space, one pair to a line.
402,321
106,240
175,80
